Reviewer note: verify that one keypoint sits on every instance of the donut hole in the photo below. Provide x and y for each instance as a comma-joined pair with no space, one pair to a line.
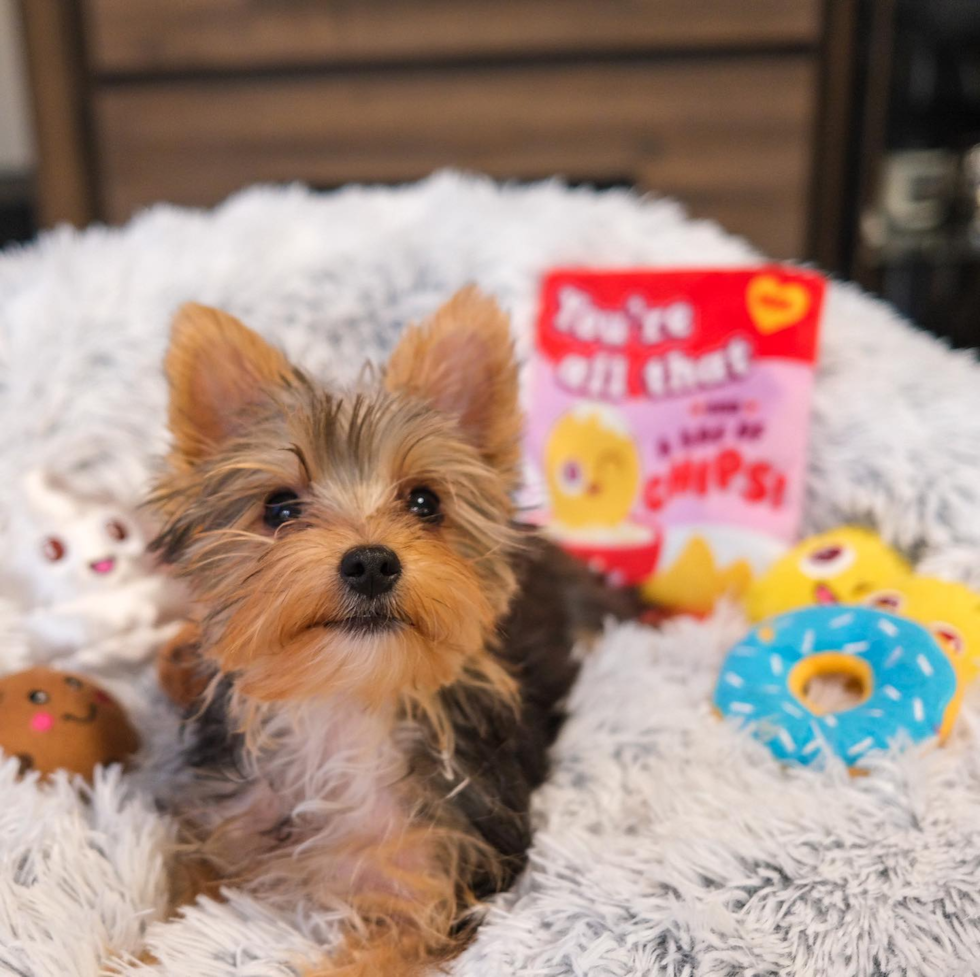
831,681
834,692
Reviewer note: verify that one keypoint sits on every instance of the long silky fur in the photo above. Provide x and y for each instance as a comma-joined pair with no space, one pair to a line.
386,775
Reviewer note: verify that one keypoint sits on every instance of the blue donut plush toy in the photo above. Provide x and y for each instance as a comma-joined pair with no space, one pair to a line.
908,686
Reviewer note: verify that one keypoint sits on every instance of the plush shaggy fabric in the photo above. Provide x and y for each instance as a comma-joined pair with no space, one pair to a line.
667,843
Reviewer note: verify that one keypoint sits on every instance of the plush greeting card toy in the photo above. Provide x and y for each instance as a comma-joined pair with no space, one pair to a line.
54,720
666,436
80,567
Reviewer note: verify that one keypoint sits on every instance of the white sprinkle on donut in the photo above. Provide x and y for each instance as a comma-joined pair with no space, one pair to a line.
793,710
924,665
889,628
732,679
918,710
807,643
811,747
787,740
743,707
893,658
842,620
830,720
860,747
744,651
776,664
856,647
892,693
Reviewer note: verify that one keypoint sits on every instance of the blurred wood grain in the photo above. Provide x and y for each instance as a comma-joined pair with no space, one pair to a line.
729,137
712,101
178,35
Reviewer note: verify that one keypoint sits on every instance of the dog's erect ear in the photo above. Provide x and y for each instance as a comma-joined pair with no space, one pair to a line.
461,361
216,368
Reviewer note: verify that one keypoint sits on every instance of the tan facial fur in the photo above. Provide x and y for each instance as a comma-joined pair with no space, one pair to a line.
246,425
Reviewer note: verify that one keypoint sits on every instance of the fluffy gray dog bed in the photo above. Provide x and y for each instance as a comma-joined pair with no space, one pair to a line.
667,843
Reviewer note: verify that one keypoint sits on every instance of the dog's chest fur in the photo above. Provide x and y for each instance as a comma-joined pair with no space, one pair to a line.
331,775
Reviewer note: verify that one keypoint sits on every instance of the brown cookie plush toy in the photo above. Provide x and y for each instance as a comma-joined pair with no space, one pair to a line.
61,721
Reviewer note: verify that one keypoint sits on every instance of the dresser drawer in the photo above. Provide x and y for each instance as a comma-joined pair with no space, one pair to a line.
134,36
728,135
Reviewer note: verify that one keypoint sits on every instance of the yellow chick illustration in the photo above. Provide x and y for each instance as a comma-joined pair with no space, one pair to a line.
842,566
949,611
592,468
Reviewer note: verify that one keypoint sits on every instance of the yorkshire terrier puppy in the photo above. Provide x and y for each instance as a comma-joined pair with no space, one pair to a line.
391,650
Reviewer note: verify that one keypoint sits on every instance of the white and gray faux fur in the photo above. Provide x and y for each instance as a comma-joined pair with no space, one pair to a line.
667,843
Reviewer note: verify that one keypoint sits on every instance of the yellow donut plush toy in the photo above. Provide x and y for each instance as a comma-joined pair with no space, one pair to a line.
841,566
950,612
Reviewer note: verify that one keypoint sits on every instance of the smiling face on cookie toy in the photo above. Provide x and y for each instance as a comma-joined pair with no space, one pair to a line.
842,566
54,720
592,467
949,611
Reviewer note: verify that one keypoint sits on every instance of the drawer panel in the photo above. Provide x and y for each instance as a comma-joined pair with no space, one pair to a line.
729,136
133,36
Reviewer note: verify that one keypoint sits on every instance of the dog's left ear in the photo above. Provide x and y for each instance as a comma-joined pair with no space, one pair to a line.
461,361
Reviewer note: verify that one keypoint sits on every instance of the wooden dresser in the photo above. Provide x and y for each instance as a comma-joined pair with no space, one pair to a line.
712,101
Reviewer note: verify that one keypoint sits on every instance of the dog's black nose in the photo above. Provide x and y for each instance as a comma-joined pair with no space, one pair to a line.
370,570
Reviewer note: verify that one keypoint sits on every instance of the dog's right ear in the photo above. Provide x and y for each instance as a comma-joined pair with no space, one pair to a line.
217,368
461,361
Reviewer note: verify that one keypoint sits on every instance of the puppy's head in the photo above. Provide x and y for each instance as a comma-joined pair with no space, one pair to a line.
344,542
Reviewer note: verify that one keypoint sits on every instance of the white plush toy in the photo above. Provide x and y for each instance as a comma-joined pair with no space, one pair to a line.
90,592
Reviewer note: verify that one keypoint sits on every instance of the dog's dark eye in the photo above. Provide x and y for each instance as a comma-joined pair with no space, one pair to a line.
424,503
38,697
280,508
